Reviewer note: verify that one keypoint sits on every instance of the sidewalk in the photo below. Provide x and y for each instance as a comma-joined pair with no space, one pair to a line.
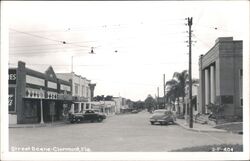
198,127
58,123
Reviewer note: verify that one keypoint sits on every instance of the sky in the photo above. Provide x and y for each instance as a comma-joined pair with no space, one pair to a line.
135,43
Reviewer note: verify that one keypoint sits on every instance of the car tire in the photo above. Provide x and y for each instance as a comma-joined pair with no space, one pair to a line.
152,123
78,120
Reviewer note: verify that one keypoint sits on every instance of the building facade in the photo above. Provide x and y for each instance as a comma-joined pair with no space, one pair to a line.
82,91
37,97
221,75
118,104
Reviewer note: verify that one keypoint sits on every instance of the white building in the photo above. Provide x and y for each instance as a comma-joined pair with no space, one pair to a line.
118,104
106,107
80,91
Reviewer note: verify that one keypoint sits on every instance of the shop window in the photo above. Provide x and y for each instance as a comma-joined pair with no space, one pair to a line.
87,92
30,109
76,88
76,108
66,109
82,107
83,91
87,106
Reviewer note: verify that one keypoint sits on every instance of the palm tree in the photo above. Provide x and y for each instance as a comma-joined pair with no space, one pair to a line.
182,79
176,86
172,91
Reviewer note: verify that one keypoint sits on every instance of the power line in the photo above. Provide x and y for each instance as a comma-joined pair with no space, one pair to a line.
26,33
105,26
41,45
46,49
42,37
88,65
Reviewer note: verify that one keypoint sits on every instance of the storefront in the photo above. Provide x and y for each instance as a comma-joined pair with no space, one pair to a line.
36,97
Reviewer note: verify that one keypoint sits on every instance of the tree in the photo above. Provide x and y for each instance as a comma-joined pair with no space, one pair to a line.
150,103
182,81
172,91
139,105
176,87
99,98
108,98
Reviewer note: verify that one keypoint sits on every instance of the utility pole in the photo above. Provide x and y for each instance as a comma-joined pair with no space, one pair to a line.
72,64
164,87
190,22
158,98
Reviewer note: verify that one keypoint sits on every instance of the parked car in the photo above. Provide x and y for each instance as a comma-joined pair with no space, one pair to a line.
162,116
87,116
134,111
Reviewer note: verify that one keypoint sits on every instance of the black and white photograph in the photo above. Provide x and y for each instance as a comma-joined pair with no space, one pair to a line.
125,80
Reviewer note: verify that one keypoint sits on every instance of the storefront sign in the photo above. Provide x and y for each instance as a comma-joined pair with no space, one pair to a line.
12,76
52,85
12,99
34,80
65,87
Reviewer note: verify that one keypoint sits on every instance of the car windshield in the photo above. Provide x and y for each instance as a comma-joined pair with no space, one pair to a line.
160,111
89,111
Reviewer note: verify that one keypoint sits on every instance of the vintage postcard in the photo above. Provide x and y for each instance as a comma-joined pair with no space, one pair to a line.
124,80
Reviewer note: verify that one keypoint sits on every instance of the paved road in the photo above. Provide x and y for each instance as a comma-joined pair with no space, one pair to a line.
127,133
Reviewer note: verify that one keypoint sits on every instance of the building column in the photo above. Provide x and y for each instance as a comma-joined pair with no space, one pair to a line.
92,88
206,89
72,109
212,84
79,107
84,106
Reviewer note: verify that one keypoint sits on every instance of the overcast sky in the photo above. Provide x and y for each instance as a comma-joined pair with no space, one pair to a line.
135,42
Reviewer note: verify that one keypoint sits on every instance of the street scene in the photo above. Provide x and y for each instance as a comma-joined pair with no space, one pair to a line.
126,76
123,133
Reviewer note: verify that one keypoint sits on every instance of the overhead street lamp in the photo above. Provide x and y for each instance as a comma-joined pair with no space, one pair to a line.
72,58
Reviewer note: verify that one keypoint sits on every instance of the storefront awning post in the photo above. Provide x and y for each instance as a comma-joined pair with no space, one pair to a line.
41,106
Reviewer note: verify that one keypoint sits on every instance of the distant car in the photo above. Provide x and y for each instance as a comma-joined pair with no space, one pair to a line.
87,116
134,111
162,116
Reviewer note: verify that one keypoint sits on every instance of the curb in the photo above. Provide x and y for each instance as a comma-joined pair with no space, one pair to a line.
36,125
198,130
229,123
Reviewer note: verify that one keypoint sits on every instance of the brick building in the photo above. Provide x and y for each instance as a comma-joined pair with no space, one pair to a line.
37,97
